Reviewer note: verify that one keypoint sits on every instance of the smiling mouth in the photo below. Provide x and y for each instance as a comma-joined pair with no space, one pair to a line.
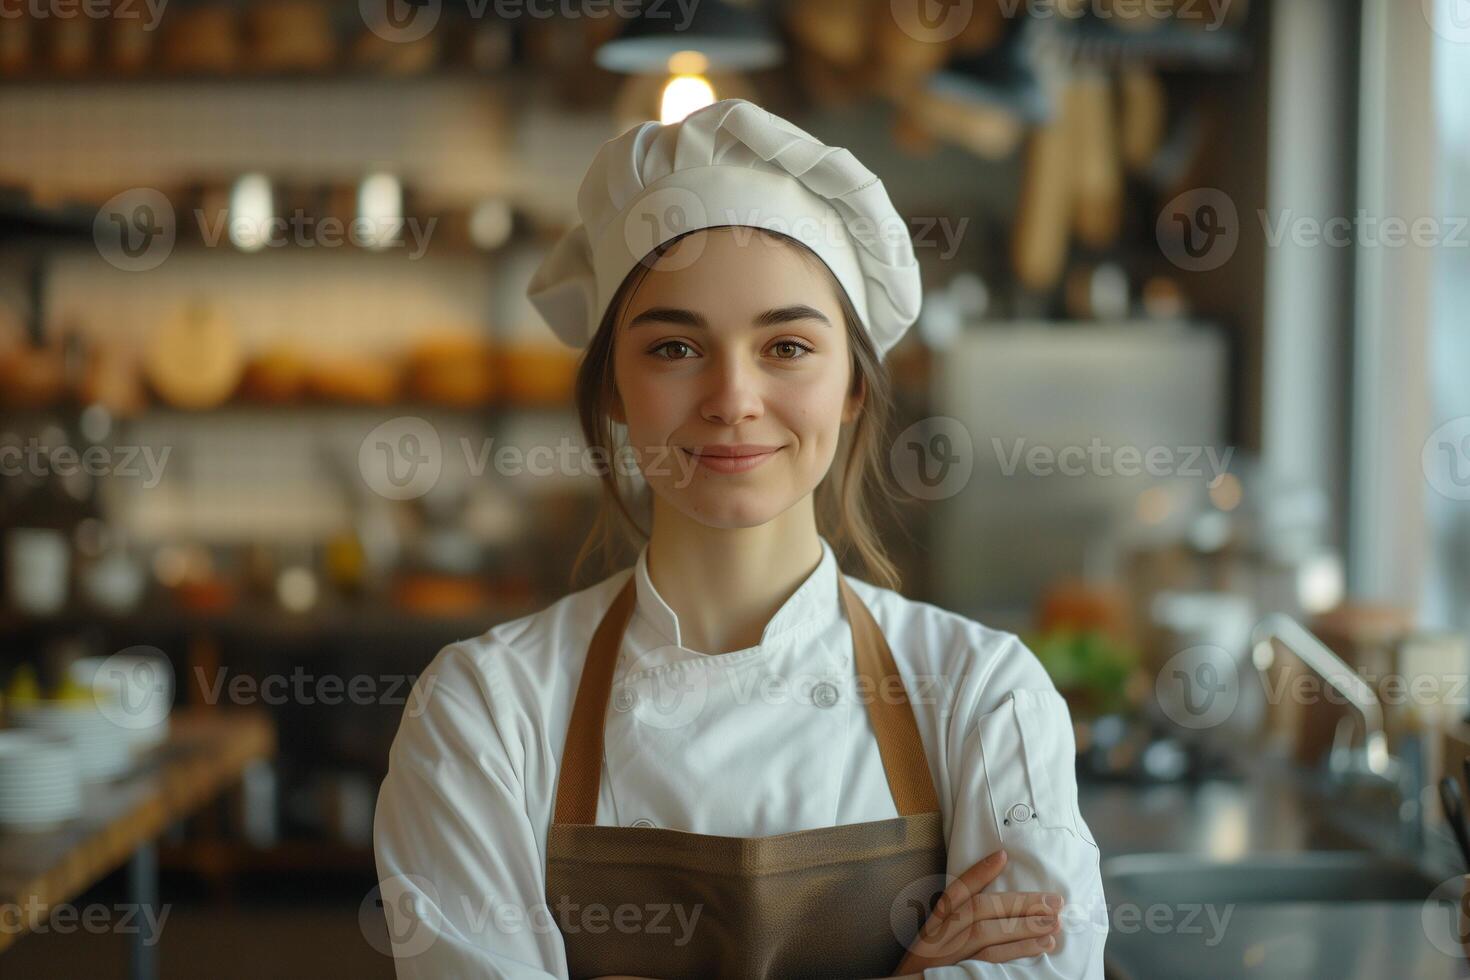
722,455
724,462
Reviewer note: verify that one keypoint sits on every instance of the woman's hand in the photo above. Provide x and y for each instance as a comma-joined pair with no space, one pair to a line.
995,927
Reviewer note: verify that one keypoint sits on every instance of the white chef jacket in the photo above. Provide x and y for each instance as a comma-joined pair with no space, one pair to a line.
767,740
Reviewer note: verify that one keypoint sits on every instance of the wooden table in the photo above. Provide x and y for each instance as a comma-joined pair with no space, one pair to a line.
206,753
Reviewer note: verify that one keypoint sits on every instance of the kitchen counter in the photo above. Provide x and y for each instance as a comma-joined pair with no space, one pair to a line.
1273,808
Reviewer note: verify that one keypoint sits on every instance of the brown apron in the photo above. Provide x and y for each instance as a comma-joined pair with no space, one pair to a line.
829,902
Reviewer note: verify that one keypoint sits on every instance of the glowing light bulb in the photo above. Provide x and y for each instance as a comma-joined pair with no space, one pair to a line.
380,209
251,210
688,90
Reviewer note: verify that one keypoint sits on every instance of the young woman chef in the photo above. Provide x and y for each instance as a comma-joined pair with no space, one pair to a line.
732,759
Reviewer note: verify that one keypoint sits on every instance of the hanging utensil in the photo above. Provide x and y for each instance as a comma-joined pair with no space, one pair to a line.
1454,812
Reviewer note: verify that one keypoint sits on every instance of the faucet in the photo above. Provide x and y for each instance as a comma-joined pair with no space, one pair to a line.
1374,760
1372,764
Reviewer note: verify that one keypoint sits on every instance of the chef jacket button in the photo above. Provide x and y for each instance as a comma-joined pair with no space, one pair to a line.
642,822
625,699
824,694
1019,813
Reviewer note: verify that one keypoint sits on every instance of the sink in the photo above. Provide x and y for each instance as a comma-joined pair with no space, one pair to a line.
1315,876
1351,915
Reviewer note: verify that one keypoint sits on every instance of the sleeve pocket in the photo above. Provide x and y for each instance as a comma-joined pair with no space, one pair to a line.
1031,767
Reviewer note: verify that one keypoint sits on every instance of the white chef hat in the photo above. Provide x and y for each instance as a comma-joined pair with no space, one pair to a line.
730,163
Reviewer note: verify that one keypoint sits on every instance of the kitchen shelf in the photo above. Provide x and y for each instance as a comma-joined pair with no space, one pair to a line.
226,857
354,75
363,619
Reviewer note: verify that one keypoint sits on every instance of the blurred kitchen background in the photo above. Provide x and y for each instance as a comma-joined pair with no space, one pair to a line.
1186,408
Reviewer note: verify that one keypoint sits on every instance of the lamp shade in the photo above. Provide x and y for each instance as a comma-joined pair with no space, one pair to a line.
731,37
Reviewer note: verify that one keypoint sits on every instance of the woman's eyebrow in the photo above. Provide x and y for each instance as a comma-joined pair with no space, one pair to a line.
689,318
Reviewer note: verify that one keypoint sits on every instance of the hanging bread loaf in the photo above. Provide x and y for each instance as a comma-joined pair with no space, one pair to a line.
1039,237
1097,174
1142,124
194,360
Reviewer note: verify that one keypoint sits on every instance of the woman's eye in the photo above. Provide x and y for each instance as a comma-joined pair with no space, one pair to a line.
672,343
790,350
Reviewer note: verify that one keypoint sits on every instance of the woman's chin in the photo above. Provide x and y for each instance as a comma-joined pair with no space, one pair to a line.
724,508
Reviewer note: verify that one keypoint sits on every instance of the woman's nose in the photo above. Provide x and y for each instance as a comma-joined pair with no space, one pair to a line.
734,393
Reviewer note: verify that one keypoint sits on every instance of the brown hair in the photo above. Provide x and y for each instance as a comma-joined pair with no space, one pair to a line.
843,507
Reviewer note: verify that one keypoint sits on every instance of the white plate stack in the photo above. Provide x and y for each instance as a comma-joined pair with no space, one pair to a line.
40,781
102,748
134,690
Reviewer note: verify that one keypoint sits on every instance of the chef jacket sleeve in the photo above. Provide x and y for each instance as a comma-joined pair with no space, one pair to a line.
1014,786
458,863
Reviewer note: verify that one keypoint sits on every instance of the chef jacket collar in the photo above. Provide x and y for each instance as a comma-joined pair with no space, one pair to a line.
816,599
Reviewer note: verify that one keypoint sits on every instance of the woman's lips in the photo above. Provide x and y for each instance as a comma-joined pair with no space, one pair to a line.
731,464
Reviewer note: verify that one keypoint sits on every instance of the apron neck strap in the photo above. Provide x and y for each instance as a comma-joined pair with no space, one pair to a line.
899,744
